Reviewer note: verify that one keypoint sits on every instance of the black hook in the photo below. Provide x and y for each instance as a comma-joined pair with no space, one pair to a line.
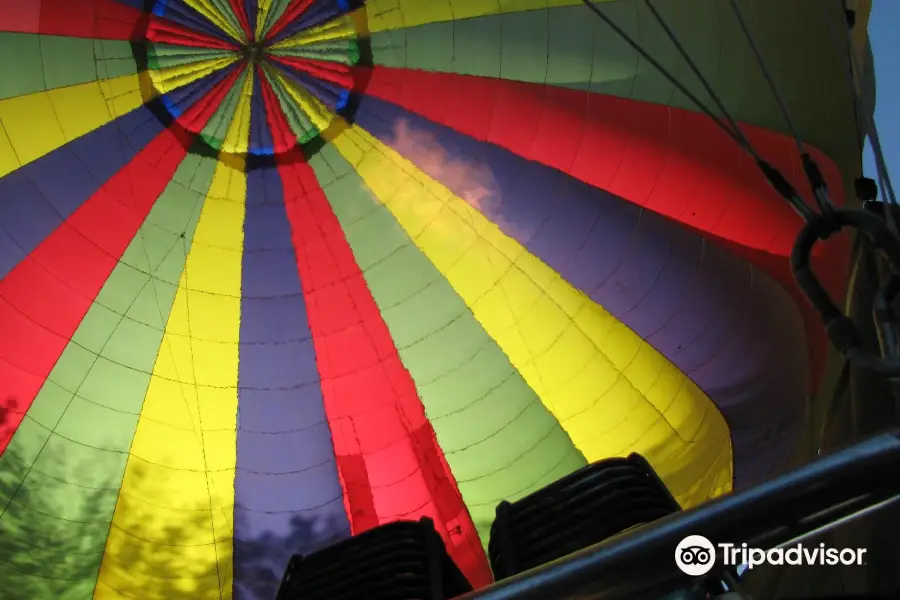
866,189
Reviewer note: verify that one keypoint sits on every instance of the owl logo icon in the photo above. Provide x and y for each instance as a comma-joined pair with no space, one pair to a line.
695,555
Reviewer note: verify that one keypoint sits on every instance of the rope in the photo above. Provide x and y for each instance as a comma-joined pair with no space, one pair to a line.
763,66
772,175
853,70
731,131
703,81
818,226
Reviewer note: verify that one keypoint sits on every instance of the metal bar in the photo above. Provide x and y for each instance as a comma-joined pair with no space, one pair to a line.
640,563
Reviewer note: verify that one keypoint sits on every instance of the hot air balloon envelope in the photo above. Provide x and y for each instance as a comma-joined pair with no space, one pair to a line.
275,272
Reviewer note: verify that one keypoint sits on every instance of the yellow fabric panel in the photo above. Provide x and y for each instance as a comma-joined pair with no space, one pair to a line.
180,474
166,80
211,12
317,113
396,14
34,125
344,27
264,6
612,392
238,137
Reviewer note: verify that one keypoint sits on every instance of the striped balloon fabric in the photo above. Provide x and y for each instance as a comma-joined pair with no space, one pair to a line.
275,272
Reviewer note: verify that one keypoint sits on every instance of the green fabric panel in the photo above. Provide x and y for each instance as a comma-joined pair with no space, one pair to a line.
275,11
162,56
32,63
61,474
345,52
499,439
114,59
226,11
67,61
389,48
217,128
560,47
300,123
21,67
570,47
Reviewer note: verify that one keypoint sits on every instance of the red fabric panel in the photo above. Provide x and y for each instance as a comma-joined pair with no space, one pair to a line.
44,299
98,19
672,161
389,460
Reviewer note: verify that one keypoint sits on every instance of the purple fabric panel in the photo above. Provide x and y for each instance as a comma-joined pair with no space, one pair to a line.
179,12
288,498
317,13
37,198
737,334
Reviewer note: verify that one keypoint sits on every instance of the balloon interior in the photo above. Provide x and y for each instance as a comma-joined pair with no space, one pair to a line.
278,274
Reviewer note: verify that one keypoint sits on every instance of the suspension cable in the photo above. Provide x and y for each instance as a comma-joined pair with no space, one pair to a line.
818,226
871,129
734,133
813,174
881,168
840,41
748,35
862,120
880,163
853,70
775,178
703,81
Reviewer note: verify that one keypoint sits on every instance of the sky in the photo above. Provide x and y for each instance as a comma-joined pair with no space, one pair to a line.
884,24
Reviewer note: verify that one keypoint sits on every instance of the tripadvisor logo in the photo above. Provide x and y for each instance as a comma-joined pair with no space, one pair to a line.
696,555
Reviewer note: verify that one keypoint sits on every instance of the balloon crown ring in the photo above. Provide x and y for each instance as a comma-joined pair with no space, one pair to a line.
254,52
259,87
